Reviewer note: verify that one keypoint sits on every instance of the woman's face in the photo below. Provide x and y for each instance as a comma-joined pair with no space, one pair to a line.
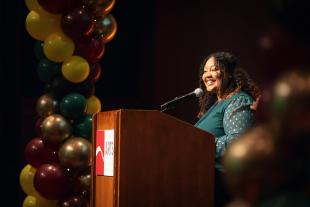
212,76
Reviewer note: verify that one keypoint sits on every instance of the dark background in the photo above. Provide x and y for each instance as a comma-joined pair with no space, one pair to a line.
153,58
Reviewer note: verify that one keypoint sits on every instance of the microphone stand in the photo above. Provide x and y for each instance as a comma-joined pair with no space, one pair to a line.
171,104
198,92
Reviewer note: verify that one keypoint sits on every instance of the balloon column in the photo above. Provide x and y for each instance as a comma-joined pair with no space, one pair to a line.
70,41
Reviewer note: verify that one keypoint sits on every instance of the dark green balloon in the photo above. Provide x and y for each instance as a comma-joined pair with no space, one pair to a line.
73,105
83,127
47,70
38,50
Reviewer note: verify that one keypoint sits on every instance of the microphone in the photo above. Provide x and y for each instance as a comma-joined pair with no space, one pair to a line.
198,92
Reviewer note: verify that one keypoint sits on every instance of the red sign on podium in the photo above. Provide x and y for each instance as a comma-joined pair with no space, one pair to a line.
105,152
99,152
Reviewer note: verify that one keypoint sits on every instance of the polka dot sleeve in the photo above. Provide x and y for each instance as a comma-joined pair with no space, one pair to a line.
238,117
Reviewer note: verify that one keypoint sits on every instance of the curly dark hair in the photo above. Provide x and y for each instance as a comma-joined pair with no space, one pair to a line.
228,64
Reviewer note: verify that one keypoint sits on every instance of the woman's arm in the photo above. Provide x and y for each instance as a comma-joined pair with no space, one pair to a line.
238,117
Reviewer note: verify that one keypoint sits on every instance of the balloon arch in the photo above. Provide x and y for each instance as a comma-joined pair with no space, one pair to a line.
70,41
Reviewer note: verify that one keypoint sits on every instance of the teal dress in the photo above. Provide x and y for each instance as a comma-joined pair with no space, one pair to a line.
226,120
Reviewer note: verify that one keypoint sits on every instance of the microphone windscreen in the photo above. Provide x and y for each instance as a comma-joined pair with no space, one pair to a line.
198,92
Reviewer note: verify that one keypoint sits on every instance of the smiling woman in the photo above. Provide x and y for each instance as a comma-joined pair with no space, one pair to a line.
226,109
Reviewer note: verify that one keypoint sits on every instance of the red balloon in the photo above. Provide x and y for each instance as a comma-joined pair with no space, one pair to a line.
95,72
78,23
60,6
52,182
91,49
37,153
74,201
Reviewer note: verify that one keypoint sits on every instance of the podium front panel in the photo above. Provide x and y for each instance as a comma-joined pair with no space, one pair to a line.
159,161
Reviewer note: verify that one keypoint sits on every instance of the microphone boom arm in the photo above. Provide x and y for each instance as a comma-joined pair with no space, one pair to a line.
198,92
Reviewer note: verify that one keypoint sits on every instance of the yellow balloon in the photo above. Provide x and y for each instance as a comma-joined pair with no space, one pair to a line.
40,25
93,105
30,201
38,201
26,180
58,47
75,69
33,5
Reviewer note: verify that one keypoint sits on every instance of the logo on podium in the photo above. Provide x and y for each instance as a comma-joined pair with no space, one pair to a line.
105,152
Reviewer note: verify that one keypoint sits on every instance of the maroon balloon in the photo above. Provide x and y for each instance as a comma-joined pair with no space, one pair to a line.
78,23
37,153
60,6
95,72
91,49
52,182
74,201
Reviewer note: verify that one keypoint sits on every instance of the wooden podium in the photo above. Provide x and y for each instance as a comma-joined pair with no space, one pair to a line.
144,158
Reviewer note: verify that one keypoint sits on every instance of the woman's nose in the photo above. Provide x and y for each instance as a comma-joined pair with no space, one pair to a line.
208,74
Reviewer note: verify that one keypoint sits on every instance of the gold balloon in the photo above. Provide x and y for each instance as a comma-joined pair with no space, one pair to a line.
103,7
26,180
93,105
106,28
75,153
46,105
40,25
55,128
100,7
58,47
75,69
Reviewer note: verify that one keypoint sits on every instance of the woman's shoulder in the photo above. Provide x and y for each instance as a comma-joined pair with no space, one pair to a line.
241,98
244,95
